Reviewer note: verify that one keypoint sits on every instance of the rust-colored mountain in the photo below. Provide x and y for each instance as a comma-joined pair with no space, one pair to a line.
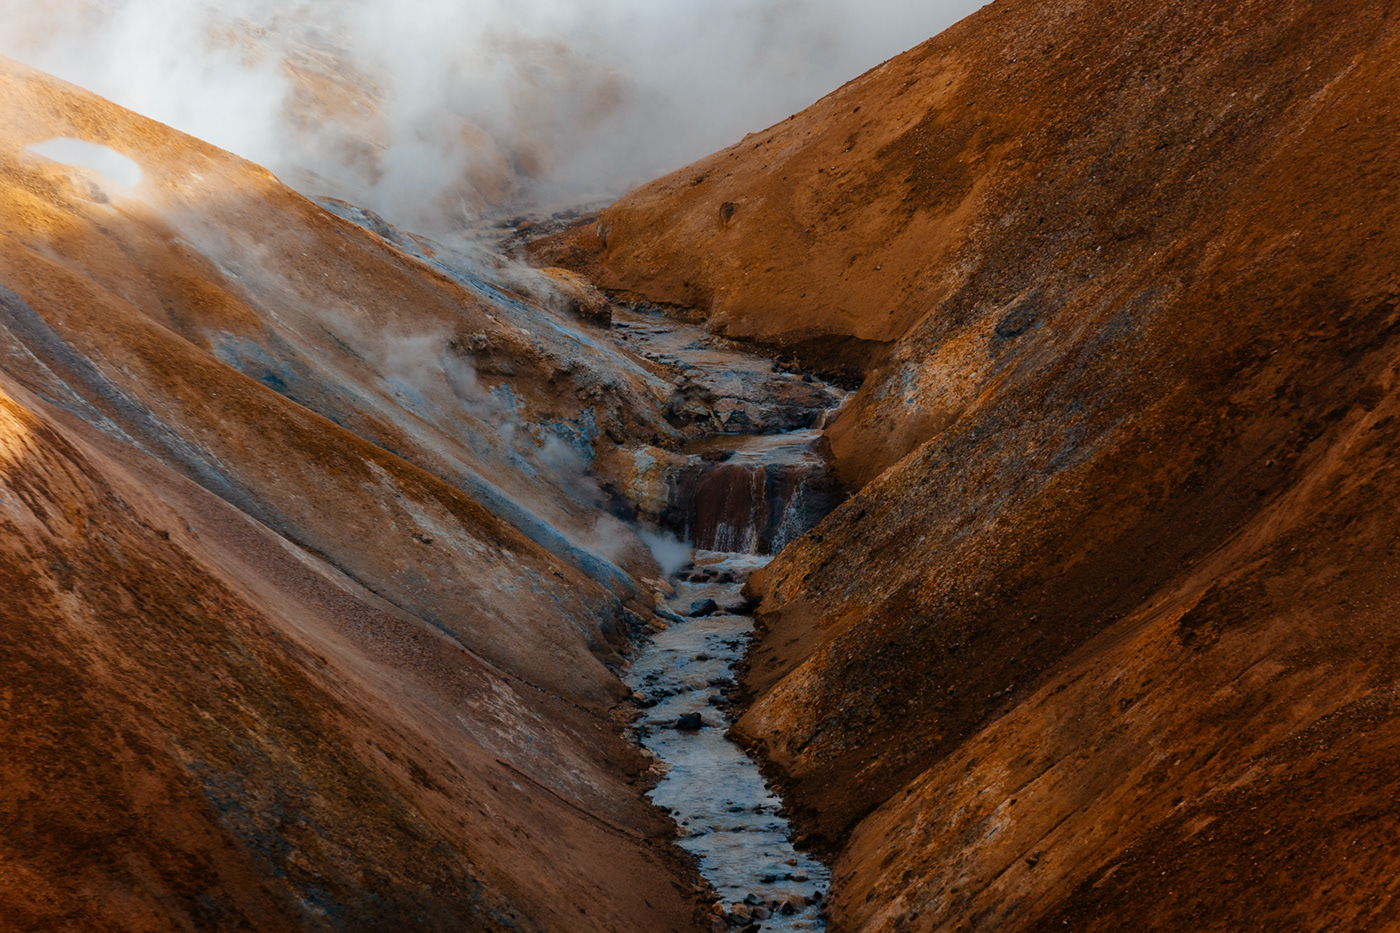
1108,637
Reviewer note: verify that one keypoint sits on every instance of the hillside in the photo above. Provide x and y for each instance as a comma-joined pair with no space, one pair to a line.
1106,637
307,622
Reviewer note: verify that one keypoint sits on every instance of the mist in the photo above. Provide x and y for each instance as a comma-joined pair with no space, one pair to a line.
438,113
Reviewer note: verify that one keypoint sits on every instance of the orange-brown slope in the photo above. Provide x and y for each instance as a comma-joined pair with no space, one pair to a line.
293,364
1110,624
275,655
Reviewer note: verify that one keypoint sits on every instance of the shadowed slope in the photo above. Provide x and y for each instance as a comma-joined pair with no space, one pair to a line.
208,728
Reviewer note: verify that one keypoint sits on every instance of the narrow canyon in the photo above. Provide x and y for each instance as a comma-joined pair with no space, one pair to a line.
963,505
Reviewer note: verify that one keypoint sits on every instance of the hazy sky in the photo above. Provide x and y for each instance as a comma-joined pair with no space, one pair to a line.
429,110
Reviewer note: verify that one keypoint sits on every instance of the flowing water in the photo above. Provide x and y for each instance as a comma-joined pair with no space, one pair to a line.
754,479
756,494
726,815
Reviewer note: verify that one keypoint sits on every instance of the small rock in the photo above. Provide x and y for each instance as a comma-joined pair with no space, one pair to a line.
703,607
762,913
753,900
690,722
769,879
1033,859
799,876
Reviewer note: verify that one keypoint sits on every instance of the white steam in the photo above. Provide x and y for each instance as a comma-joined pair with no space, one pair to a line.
103,160
670,553
440,110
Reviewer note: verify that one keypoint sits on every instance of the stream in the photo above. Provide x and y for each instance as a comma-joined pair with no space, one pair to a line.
752,478
726,815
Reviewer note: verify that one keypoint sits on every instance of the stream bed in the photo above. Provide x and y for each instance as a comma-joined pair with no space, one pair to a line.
726,815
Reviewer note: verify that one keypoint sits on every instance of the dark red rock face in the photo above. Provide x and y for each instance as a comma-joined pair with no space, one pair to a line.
755,508
731,508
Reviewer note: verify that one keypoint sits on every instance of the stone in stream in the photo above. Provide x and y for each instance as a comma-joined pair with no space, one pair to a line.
703,607
690,722
792,904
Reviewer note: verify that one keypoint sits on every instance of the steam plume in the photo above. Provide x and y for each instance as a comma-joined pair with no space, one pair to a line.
441,110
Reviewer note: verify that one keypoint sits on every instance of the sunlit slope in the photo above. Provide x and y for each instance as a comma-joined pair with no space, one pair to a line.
342,392
306,622
1107,639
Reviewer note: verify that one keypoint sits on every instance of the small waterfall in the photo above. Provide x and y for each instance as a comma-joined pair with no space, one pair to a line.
730,500
763,492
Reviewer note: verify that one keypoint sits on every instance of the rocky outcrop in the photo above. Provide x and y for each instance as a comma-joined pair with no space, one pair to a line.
1103,640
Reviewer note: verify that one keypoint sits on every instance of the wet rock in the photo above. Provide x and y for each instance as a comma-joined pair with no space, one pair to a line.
703,607
690,722
753,900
